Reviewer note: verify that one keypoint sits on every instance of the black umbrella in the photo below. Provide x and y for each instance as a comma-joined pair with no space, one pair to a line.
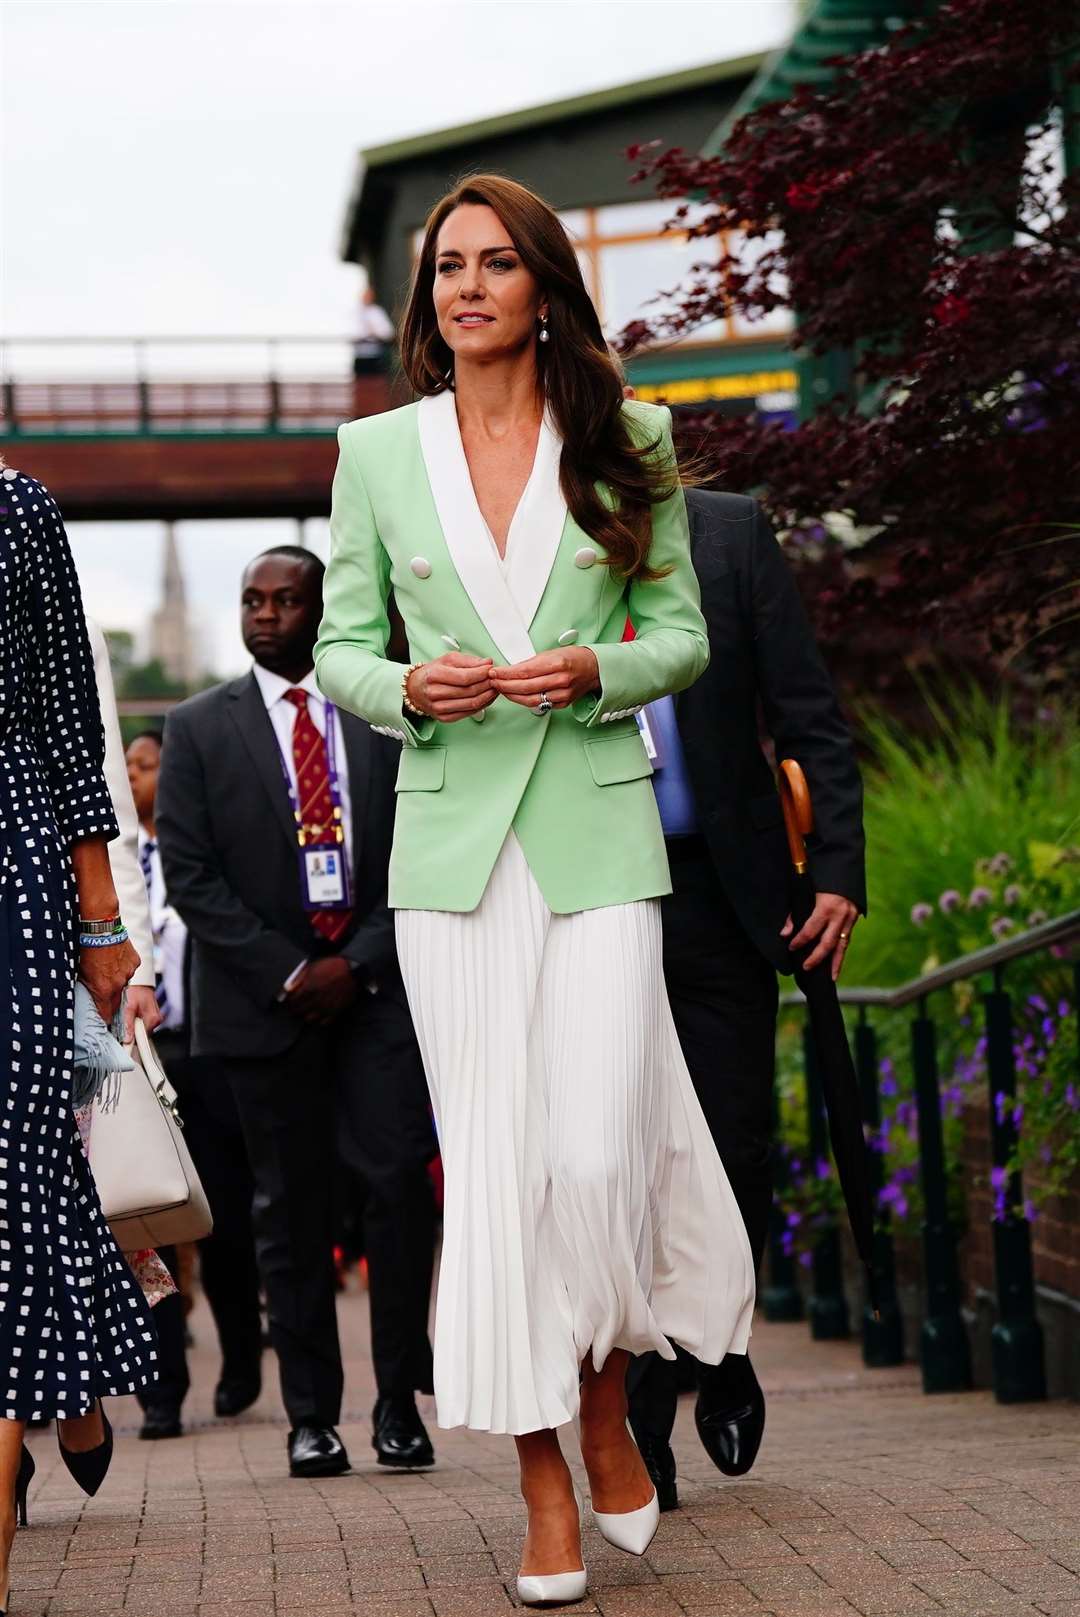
835,1066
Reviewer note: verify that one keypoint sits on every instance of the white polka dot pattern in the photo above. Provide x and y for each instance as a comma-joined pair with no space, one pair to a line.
73,1323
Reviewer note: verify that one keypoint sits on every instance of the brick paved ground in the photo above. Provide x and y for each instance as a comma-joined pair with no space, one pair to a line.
868,1498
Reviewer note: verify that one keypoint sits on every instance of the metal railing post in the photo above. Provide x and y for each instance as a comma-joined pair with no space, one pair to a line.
1016,1341
882,1338
781,1300
275,385
9,406
827,1306
944,1349
143,386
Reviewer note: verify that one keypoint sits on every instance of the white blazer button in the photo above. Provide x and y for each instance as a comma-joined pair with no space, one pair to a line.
447,639
478,718
585,557
421,567
568,637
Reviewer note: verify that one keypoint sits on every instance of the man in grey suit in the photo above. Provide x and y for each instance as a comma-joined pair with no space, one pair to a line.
266,790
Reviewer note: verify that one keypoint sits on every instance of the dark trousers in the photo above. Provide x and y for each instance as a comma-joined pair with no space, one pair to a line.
227,1257
723,997
354,1089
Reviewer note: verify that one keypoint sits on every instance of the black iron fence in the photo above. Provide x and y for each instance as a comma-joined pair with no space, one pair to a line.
1017,1353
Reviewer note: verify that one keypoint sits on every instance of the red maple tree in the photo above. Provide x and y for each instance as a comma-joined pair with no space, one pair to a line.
914,216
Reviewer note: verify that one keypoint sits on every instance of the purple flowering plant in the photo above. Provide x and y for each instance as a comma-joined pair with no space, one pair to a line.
972,805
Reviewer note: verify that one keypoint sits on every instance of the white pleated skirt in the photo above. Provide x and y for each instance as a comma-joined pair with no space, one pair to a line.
586,1206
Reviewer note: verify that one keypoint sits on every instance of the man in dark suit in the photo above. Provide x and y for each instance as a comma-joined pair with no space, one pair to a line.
726,926
296,989
212,1130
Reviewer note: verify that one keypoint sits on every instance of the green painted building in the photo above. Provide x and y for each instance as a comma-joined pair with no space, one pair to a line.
573,153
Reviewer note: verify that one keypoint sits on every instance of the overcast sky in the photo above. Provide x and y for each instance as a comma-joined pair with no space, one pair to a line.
170,167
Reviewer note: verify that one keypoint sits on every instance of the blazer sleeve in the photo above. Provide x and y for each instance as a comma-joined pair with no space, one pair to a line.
257,958
804,719
351,665
124,852
671,645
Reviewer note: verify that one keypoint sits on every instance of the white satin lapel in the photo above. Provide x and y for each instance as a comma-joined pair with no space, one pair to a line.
536,531
471,550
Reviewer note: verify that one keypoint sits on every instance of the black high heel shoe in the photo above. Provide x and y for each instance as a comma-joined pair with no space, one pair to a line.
91,1466
22,1485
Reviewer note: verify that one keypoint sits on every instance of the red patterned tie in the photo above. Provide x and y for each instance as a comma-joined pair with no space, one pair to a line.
316,804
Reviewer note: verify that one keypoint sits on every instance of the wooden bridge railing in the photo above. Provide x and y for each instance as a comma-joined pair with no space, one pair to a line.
118,385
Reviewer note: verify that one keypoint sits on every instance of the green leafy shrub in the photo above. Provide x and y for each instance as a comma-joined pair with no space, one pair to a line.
973,834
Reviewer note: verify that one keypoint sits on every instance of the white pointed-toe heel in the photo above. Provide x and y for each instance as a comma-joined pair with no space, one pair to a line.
554,1588
630,1530
551,1588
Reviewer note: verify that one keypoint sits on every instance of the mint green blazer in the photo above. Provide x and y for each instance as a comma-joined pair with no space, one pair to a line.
574,785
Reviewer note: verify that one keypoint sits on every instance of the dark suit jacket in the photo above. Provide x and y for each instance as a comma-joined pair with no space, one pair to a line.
762,647
228,846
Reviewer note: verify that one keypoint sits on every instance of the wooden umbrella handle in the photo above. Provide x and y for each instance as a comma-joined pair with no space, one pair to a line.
798,811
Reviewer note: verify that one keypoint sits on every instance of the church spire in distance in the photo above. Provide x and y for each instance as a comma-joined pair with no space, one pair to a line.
170,631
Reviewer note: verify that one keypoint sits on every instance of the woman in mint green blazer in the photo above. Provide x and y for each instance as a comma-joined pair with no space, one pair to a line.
519,512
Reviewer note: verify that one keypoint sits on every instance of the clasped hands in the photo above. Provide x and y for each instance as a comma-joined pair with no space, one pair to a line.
458,685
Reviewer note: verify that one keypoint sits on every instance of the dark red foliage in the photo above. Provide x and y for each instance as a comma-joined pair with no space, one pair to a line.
921,233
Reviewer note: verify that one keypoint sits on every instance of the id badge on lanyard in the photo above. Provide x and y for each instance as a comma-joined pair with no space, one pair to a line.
650,735
324,865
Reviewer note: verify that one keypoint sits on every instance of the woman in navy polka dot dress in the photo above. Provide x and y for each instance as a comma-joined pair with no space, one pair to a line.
73,1323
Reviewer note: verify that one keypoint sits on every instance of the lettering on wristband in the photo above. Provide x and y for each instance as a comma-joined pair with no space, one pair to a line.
108,940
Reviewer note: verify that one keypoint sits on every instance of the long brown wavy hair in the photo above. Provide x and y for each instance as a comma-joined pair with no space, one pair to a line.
582,382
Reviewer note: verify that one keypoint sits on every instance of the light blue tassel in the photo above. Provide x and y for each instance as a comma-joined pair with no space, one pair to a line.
99,1055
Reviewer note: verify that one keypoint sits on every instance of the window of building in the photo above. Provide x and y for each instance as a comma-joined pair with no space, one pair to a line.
630,263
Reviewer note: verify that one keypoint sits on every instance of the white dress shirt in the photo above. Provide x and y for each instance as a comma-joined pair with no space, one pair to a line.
372,324
170,938
283,718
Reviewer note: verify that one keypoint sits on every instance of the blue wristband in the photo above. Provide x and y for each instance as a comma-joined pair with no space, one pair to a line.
103,940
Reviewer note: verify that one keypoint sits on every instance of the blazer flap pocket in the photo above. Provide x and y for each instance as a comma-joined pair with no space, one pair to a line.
766,811
421,769
617,758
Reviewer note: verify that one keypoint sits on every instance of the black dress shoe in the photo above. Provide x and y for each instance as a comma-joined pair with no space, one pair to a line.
316,1451
660,1464
400,1438
160,1420
730,1414
234,1394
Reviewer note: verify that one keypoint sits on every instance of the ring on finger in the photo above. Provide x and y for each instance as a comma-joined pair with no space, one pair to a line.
545,704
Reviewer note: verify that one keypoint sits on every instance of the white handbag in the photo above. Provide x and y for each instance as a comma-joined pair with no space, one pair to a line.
150,1193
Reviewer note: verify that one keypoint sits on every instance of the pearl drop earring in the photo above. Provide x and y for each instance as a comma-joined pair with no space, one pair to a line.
545,335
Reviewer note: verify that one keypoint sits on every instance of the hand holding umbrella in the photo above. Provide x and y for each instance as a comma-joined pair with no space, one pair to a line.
836,1069
833,917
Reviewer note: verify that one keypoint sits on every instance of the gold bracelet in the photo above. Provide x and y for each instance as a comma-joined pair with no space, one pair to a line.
405,702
